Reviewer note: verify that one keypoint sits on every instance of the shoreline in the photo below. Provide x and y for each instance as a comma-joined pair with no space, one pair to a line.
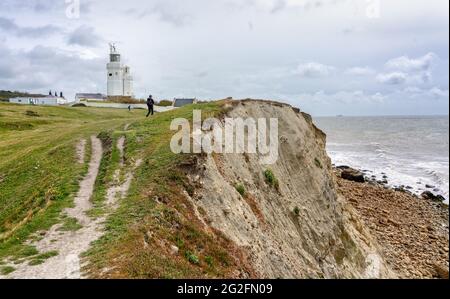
430,191
412,231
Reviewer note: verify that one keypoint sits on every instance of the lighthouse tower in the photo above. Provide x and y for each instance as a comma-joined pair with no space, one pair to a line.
120,81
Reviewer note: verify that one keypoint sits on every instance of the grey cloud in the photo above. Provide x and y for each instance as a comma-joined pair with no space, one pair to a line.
10,26
360,71
279,5
167,14
395,78
164,11
43,68
84,36
314,70
436,92
412,64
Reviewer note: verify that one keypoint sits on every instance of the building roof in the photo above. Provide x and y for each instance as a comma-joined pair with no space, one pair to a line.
183,102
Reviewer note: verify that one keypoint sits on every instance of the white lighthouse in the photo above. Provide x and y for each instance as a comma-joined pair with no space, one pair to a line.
120,81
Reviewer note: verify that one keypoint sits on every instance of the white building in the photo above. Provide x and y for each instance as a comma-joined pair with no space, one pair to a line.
47,101
120,81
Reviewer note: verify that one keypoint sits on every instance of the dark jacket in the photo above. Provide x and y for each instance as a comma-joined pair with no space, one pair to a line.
150,102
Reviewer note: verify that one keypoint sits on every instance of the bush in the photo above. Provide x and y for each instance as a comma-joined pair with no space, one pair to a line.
318,163
271,179
192,258
32,113
79,105
297,211
125,100
240,189
209,261
165,103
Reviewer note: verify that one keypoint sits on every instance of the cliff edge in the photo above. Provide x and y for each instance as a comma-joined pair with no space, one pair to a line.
297,228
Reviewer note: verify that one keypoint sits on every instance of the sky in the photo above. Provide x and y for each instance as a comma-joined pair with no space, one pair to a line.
327,57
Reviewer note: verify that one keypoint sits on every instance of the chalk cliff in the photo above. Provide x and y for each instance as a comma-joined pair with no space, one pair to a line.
297,226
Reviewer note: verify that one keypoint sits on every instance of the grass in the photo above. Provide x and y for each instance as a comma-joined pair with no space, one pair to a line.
104,174
192,258
7,270
39,177
141,231
41,258
27,251
38,171
70,225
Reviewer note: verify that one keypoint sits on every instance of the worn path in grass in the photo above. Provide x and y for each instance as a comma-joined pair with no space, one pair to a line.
67,246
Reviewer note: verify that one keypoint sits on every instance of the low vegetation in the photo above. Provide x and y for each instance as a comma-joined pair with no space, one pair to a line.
41,258
318,163
156,217
39,174
70,224
6,270
240,189
165,103
271,179
5,95
125,100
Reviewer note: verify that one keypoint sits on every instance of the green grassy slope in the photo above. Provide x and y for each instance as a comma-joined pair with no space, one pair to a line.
39,177
156,216
38,171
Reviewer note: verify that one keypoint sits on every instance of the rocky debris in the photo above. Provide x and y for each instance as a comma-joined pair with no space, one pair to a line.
413,233
174,250
353,175
441,271
343,167
430,196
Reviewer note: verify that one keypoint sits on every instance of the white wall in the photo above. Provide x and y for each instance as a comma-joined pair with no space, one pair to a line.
48,101
115,79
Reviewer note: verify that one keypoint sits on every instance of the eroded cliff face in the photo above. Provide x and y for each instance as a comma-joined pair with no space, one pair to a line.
301,228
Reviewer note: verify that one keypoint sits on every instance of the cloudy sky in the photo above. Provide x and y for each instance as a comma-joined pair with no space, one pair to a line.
352,57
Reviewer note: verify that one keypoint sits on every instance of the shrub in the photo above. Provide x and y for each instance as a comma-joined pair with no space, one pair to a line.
32,113
79,105
209,260
318,163
271,179
192,258
240,189
297,211
165,103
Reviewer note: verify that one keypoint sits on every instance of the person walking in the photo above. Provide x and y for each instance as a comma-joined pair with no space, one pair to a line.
150,104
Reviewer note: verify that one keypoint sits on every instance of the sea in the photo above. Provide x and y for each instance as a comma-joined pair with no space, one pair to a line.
412,151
